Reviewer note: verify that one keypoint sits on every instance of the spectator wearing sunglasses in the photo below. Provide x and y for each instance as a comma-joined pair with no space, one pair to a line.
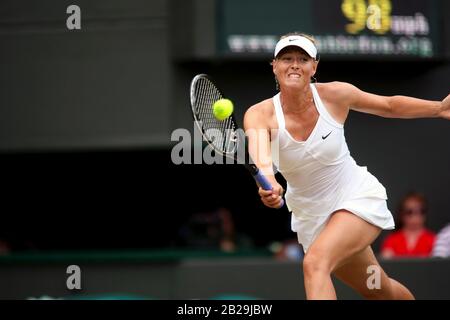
412,239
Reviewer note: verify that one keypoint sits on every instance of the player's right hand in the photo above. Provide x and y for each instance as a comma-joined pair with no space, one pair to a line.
272,198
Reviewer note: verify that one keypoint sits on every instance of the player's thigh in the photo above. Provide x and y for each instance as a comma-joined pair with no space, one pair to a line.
363,273
344,235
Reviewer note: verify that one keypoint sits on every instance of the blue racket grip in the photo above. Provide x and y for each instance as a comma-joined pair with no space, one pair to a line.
265,184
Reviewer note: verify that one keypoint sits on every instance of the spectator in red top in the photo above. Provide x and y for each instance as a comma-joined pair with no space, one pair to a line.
412,239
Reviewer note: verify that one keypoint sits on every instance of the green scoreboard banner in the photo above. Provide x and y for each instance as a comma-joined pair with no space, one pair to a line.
374,29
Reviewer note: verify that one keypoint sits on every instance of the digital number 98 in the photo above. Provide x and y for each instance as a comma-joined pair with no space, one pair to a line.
373,14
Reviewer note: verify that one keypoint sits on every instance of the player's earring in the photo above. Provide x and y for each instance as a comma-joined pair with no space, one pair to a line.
277,85
313,79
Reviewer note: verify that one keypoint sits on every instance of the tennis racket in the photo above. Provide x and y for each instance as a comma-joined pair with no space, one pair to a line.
223,136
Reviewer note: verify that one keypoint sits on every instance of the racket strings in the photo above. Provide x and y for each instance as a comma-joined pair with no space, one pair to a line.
221,134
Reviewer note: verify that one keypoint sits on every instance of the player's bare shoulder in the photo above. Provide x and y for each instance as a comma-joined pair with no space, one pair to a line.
259,115
337,97
336,90
264,108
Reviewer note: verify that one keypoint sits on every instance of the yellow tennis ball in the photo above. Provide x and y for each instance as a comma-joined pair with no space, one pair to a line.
222,109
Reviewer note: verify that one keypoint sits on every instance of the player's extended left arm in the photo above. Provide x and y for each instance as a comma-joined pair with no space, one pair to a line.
410,108
399,106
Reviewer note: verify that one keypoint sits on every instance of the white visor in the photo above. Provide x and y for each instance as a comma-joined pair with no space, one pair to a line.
298,41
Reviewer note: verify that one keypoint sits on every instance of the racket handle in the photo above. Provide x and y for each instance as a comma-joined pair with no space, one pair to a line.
265,184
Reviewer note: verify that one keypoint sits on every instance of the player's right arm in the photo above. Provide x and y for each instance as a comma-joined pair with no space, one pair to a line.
257,129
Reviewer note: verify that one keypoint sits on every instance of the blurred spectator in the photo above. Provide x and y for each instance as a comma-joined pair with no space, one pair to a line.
213,230
412,239
289,250
442,244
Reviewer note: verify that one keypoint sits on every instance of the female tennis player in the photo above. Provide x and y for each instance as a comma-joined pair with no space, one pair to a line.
338,208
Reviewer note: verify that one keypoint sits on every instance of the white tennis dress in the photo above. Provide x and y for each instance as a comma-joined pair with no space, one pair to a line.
322,177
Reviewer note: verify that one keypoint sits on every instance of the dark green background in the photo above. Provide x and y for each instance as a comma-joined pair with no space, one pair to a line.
315,17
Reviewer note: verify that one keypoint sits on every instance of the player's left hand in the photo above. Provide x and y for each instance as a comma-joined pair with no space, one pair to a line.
445,111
